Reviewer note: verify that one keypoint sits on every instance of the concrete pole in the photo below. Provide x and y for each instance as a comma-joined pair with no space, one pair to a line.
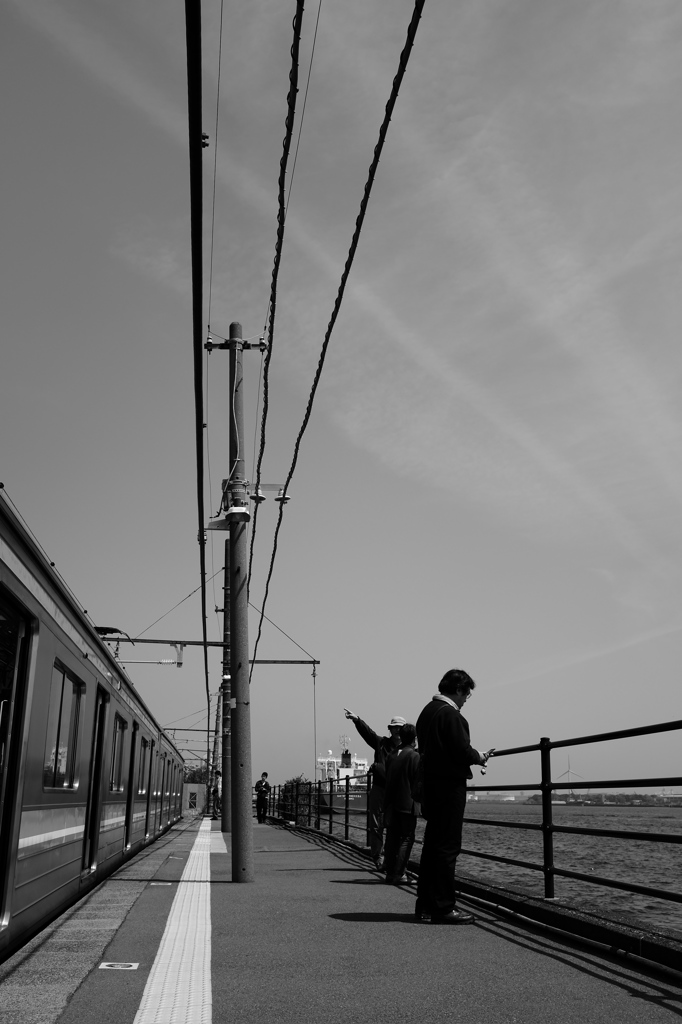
242,824
226,810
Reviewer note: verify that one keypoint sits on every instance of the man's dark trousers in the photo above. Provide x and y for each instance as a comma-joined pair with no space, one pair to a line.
442,843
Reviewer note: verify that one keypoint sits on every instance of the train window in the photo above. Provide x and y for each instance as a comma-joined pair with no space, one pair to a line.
142,769
61,743
116,775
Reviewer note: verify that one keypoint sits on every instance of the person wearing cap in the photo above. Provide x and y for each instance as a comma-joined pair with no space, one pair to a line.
446,759
401,810
382,746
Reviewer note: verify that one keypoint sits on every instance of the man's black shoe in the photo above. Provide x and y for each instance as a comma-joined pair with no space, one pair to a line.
453,917
421,915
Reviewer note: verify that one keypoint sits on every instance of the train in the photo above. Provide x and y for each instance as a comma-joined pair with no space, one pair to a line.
87,776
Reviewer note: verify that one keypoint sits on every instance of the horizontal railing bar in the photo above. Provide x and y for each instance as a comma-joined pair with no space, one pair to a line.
504,860
652,837
617,783
612,883
621,734
505,824
529,786
517,750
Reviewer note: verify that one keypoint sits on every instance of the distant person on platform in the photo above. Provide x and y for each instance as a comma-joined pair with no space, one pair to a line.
262,794
217,793
446,759
382,747
401,810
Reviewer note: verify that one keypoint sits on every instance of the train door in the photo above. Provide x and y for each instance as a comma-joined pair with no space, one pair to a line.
130,800
150,787
14,644
94,808
163,786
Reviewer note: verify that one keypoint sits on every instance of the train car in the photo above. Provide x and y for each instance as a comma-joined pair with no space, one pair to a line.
87,776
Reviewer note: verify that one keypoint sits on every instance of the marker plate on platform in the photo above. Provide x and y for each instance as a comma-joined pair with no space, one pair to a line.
118,967
160,883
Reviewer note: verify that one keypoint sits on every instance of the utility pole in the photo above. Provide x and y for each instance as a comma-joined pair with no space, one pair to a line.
226,809
239,515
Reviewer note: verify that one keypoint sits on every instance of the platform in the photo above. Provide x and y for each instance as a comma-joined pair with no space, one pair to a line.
318,937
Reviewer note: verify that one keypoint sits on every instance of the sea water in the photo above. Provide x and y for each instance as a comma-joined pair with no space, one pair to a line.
654,864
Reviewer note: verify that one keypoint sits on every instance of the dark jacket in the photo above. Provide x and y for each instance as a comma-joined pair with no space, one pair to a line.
443,736
382,746
401,775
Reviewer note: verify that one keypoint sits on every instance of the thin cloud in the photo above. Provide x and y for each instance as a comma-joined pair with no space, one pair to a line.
551,295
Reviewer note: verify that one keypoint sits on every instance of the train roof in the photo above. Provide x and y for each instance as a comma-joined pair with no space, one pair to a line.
21,540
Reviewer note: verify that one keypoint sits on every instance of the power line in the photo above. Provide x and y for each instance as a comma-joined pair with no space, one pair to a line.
196,145
397,81
279,242
210,274
305,101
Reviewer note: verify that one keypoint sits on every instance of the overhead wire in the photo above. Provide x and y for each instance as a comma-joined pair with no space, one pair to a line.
279,243
282,631
196,145
191,594
44,553
210,283
397,81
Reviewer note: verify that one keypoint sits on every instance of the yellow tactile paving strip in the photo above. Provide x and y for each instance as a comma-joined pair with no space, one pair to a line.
178,990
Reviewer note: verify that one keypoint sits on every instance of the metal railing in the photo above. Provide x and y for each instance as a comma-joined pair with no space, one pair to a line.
324,804
547,786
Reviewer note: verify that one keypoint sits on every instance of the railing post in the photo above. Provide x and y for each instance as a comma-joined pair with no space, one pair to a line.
319,799
331,803
296,811
367,778
547,831
347,808
310,803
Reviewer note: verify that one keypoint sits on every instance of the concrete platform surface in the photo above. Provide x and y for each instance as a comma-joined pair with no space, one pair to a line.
318,937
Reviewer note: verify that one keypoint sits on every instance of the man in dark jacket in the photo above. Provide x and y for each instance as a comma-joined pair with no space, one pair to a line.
382,747
447,756
262,788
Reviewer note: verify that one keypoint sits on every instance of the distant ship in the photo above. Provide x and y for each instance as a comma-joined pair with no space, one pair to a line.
336,770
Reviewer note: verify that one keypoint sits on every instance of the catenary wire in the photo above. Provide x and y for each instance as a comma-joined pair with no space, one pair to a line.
402,66
191,594
279,242
44,553
305,101
282,631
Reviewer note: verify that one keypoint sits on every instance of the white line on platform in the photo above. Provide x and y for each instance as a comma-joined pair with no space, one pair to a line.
179,985
218,844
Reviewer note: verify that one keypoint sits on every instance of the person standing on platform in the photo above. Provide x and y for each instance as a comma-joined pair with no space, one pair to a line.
262,793
400,808
217,794
446,759
382,747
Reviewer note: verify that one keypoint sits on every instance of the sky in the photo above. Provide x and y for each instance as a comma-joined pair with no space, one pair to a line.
492,474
